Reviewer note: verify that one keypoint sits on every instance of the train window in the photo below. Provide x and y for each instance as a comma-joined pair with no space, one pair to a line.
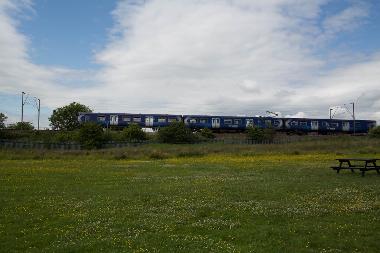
193,121
237,121
203,121
358,124
325,124
335,124
294,123
227,121
268,123
102,118
172,120
162,120
86,118
303,123
126,119
277,123
136,119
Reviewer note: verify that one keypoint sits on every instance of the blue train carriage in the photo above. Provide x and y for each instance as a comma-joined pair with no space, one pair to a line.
125,119
156,121
237,123
327,125
216,123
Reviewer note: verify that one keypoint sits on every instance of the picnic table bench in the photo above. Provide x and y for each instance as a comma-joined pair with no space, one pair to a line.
362,164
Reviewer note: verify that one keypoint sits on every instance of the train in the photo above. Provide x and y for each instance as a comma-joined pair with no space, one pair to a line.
229,123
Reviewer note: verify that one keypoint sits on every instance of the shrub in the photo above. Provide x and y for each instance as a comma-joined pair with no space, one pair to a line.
375,132
110,135
269,134
91,135
176,132
22,126
207,133
255,133
260,134
134,133
65,136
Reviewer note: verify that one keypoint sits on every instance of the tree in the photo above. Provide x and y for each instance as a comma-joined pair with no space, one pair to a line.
176,132
91,135
66,117
3,118
133,133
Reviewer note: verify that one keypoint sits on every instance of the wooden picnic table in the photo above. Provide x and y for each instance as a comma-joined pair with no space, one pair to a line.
362,164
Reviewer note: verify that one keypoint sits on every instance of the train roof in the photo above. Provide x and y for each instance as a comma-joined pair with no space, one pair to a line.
221,116
131,114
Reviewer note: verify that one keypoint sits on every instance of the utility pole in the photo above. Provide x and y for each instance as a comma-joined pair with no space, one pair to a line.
37,102
39,110
353,116
22,106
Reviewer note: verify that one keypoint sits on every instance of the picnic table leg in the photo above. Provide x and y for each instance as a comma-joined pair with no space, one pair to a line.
340,166
365,168
377,168
349,165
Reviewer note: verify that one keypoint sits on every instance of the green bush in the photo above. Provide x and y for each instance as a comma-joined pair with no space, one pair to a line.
375,132
133,133
110,135
64,136
176,132
207,133
22,126
91,135
255,133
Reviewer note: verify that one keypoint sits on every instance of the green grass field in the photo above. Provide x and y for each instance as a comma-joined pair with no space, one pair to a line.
190,198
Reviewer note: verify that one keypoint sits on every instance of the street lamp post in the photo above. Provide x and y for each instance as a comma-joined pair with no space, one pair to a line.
330,113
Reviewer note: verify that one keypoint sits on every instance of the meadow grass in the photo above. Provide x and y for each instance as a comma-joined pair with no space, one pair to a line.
190,198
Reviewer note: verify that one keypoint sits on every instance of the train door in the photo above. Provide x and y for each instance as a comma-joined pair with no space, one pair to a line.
215,122
114,120
148,121
314,125
248,123
346,126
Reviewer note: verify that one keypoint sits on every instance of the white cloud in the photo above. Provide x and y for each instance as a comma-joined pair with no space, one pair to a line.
346,20
297,115
205,56
17,71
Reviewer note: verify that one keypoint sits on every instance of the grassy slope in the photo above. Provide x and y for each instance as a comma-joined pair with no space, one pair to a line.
219,198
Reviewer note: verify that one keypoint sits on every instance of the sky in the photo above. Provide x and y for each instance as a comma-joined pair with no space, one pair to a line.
217,57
